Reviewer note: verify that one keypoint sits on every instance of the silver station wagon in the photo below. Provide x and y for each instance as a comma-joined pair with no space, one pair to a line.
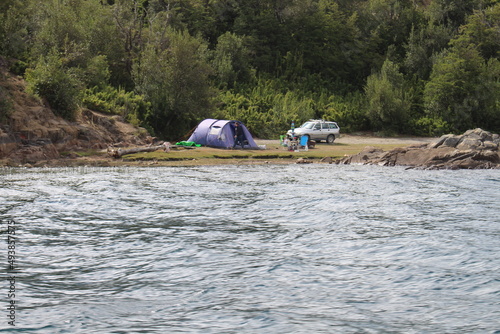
317,130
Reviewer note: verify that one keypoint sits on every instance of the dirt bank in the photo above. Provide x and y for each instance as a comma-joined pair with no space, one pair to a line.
30,132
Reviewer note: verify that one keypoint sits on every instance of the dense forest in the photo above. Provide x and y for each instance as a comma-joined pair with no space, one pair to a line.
421,67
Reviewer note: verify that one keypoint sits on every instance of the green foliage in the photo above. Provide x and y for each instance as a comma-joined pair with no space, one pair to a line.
262,21
129,19
97,73
115,101
2,33
430,126
231,61
388,24
84,35
451,12
320,39
389,103
423,43
18,67
269,108
463,89
15,22
483,29
61,27
56,84
265,110
174,77
349,111
423,67
488,92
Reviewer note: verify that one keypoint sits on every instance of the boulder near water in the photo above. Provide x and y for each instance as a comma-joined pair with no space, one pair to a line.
475,149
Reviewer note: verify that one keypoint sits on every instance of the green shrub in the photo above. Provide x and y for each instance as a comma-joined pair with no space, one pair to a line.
97,72
19,67
389,101
430,127
56,84
115,101
267,109
349,112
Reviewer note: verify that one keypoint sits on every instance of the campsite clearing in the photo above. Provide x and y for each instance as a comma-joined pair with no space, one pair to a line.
274,152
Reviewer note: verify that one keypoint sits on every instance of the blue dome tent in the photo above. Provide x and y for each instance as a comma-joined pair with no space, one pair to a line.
220,133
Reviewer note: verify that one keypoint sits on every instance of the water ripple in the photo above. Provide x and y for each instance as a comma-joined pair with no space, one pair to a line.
255,249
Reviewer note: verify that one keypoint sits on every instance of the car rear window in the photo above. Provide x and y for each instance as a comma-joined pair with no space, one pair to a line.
333,126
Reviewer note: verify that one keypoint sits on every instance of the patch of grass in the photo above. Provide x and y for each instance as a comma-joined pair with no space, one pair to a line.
232,156
274,153
213,153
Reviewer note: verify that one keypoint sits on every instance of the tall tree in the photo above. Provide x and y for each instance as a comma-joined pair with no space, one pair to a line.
463,89
174,77
483,29
263,22
79,31
231,61
386,25
389,103
16,25
129,17
451,13
423,43
326,42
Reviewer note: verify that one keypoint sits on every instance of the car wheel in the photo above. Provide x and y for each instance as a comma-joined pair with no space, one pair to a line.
330,139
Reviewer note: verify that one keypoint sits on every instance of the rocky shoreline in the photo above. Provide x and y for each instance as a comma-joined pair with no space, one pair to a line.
475,149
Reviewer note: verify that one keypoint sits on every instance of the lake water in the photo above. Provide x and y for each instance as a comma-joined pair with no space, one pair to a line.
252,249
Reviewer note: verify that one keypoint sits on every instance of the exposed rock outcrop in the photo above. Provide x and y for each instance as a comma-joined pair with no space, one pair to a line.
475,149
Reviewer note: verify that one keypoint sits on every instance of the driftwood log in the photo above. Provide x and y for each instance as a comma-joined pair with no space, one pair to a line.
118,153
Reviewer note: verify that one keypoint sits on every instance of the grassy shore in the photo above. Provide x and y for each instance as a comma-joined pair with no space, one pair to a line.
274,153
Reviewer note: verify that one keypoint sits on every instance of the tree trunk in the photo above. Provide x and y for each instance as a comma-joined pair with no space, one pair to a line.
118,153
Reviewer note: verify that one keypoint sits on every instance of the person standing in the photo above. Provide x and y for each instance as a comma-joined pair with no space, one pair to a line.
239,136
